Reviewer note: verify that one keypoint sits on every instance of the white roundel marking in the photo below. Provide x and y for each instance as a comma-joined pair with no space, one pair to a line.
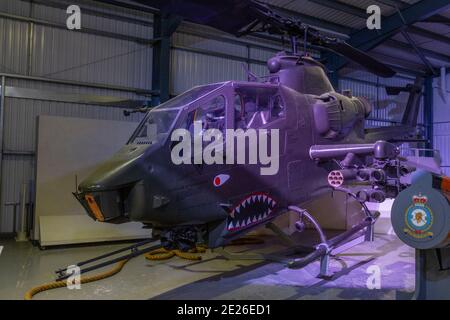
220,179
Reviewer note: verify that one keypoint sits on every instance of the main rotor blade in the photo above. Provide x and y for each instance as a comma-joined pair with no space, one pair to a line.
360,57
238,17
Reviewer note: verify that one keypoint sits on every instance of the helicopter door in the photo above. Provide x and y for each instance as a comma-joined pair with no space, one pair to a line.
260,109
206,116
257,108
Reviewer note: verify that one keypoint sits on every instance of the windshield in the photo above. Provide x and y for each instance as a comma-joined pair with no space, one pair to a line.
158,122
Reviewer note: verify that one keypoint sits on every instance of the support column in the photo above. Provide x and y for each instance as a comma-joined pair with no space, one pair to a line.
428,111
2,111
163,28
333,71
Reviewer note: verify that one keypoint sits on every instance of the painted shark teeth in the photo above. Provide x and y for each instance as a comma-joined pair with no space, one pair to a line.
251,210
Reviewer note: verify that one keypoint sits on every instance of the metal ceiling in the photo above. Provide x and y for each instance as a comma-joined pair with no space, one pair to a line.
421,44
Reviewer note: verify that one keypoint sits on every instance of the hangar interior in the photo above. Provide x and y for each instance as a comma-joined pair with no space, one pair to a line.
63,97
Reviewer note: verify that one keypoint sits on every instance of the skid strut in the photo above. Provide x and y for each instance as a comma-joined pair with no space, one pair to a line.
134,251
324,249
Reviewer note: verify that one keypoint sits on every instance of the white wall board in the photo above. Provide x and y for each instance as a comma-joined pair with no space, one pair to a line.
68,148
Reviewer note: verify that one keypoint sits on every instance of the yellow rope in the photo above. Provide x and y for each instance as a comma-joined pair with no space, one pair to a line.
164,254
157,254
246,240
63,283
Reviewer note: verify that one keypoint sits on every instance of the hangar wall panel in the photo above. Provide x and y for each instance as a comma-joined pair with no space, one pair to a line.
15,7
200,59
60,53
20,140
96,22
31,49
387,110
70,55
190,69
13,46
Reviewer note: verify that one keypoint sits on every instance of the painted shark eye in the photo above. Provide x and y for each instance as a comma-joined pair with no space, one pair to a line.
220,179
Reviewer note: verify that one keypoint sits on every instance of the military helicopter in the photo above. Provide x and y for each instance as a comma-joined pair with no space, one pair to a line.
315,138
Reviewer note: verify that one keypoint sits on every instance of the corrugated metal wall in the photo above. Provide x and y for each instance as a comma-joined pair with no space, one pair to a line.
387,110
214,57
37,49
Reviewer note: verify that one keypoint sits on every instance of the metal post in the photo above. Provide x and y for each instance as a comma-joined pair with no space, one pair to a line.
2,110
428,111
22,233
163,28
333,74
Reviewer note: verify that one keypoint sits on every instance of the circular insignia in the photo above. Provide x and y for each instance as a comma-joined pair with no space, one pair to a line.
419,218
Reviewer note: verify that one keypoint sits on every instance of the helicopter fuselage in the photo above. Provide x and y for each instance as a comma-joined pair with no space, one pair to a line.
142,182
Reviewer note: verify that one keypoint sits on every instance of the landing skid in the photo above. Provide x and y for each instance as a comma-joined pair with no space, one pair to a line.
134,251
326,249
280,258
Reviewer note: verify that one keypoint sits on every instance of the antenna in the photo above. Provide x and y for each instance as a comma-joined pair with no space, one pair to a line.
305,41
251,77
294,44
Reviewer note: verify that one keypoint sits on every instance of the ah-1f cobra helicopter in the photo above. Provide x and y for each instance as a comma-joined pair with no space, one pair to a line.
323,141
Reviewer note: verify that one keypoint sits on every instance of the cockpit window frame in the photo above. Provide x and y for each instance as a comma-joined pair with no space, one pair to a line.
226,89
262,86
161,108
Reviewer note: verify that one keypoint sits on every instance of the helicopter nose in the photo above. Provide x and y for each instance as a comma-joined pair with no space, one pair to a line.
121,170
104,193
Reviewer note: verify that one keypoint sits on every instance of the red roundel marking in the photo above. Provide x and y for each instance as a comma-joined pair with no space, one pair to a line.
220,179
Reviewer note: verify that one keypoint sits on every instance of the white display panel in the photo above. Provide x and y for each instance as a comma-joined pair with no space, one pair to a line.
68,149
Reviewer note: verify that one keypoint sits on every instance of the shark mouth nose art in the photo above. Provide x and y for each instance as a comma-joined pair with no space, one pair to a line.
250,211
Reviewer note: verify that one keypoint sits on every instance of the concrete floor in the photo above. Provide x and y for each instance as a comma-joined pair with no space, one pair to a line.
23,266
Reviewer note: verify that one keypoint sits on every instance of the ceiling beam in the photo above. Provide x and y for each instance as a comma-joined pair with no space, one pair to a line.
419,52
361,13
401,65
366,39
129,5
393,3
342,7
423,9
428,53
428,34
438,19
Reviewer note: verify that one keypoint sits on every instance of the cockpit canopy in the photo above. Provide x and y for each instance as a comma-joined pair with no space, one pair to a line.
228,105
159,121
